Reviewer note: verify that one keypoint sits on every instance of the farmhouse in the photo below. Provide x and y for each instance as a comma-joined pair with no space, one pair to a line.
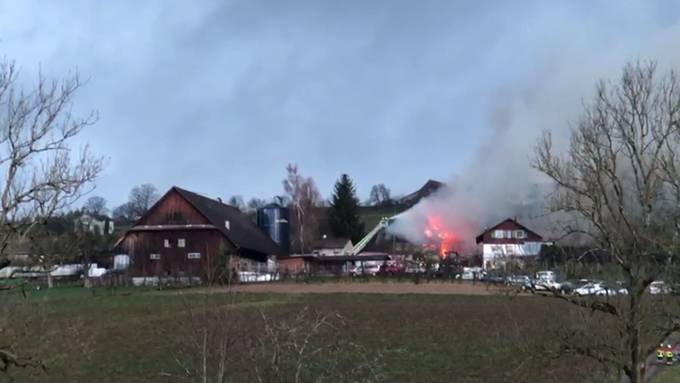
189,236
508,241
95,223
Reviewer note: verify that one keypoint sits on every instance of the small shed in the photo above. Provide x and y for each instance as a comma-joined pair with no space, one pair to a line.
325,247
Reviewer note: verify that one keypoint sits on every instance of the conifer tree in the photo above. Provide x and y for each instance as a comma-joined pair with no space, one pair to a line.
344,211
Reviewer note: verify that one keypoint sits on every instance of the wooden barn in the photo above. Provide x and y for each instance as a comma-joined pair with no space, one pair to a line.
187,236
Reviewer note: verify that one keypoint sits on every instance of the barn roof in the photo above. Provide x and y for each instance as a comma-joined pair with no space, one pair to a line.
428,188
242,231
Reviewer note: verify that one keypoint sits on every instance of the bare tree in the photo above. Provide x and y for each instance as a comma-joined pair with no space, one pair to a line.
256,203
380,195
141,199
124,213
237,202
290,351
291,347
95,205
303,196
41,173
619,184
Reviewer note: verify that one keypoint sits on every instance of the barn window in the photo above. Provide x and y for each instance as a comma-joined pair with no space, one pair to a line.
166,242
520,234
498,234
193,255
154,256
181,242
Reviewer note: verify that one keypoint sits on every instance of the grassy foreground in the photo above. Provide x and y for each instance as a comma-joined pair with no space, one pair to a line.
140,335
668,375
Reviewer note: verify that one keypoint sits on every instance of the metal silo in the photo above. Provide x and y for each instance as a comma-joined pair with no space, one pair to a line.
273,219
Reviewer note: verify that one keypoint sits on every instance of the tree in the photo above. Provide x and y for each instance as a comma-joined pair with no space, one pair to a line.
42,172
380,196
303,196
95,205
256,203
344,211
41,176
141,199
619,185
237,202
124,213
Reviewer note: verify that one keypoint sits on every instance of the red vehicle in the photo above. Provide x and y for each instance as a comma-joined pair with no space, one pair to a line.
393,268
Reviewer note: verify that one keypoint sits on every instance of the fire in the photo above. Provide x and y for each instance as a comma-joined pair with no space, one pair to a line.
437,236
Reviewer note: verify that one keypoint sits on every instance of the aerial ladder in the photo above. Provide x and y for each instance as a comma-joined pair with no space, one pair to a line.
384,222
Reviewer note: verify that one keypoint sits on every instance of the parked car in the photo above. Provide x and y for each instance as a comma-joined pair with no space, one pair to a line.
621,288
606,290
393,268
494,278
364,269
659,287
414,267
570,286
595,288
521,281
546,280
542,284
546,275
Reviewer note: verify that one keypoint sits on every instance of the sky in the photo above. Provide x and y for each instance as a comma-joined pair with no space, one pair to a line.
218,96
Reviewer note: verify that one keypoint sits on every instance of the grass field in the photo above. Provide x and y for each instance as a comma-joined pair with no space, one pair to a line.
668,375
135,335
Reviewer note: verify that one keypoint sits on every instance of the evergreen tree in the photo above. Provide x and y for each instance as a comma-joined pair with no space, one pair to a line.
344,211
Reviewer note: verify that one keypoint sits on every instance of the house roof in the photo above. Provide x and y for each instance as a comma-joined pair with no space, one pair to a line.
242,232
98,217
330,243
479,238
428,188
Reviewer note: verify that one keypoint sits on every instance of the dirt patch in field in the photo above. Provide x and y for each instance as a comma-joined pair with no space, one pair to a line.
371,288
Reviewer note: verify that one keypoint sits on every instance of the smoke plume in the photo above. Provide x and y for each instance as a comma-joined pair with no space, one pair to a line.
498,180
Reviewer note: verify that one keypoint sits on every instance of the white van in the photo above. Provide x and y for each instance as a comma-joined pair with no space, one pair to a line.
546,276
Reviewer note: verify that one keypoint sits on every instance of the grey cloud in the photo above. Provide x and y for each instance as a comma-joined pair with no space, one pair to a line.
218,96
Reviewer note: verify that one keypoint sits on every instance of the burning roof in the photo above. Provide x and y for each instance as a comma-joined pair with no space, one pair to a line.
428,188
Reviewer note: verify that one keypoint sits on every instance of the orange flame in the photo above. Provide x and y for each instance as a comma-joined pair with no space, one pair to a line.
435,231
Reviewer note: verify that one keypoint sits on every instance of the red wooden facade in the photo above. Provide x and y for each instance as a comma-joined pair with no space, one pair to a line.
179,237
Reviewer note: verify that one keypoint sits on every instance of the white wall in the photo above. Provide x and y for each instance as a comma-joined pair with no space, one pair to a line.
492,252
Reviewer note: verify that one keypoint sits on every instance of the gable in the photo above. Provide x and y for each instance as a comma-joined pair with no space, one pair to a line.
173,209
508,224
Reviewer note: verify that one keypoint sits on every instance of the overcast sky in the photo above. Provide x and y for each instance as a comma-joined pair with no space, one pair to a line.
217,96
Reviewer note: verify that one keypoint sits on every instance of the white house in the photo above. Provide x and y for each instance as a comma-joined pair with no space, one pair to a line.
508,240
99,224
